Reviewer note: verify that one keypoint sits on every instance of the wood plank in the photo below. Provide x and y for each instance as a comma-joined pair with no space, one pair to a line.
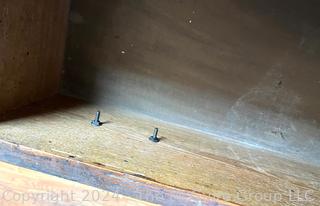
183,159
116,182
20,186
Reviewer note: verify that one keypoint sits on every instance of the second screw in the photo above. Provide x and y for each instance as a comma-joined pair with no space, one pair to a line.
154,137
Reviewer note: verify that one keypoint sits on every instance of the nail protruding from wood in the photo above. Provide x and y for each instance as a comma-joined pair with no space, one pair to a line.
96,122
154,137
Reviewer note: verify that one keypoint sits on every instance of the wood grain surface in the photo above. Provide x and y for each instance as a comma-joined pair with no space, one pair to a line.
244,70
20,186
32,42
184,158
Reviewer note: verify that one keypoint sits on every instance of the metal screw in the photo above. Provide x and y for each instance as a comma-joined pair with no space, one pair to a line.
154,137
96,122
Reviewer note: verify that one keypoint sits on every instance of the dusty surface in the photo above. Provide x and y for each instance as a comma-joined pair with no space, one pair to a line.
32,41
19,186
184,158
246,70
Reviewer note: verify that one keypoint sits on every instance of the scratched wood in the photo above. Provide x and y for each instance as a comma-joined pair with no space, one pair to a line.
20,186
104,178
183,159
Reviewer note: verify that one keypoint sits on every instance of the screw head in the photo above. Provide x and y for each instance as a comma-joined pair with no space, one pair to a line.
96,123
154,139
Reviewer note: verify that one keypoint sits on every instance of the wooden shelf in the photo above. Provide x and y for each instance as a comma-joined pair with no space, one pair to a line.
184,159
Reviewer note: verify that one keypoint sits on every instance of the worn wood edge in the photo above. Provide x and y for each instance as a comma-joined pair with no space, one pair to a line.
24,187
103,178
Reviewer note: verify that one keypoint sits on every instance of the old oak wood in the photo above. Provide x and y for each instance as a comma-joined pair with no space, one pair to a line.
205,167
20,186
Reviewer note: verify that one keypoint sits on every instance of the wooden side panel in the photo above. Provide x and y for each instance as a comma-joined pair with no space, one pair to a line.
32,39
